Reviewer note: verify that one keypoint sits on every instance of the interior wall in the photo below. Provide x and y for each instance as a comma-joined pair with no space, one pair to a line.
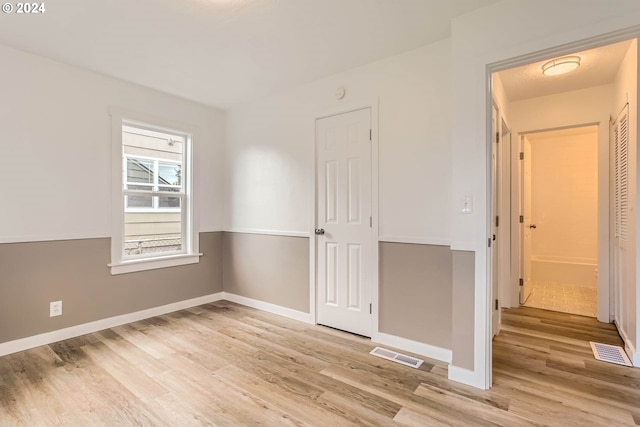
270,169
272,269
56,164
56,135
76,273
564,196
270,156
411,273
497,34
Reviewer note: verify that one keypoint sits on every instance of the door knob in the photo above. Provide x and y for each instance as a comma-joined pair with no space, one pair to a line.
532,226
319,231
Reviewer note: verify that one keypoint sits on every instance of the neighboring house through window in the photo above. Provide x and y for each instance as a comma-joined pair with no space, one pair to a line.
153,206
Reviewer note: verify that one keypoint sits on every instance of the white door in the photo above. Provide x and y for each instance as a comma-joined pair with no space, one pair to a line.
623,226
495,191
343,229
526,226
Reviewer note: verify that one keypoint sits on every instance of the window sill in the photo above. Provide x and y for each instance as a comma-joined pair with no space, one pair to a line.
131,266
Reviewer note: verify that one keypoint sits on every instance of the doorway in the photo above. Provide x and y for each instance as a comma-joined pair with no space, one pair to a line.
559,234
344,244
533,103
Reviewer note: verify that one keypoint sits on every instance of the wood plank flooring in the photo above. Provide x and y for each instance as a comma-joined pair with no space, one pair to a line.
225,364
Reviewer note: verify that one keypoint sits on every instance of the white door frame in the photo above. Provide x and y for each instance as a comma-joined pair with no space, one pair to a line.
342,108
565,49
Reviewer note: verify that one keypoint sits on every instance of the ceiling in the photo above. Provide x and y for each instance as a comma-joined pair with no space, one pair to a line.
224,52
597,67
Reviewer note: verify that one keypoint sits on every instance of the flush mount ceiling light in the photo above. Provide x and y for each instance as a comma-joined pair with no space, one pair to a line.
558,66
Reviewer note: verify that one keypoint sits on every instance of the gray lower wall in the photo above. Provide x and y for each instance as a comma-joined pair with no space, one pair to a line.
463,309
273,269
76,272
426,292
415,292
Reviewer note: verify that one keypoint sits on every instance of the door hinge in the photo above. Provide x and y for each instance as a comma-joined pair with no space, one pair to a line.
370,309
370,134
521,282
497,221
489,242
521,155
521,219
496,304
497,137
370,222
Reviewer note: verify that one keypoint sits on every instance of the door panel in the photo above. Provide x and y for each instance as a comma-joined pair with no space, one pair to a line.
343,213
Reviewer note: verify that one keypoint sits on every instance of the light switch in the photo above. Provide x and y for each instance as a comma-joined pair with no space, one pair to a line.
467,205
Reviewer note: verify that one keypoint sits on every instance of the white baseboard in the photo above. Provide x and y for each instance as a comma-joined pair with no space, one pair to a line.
98,325
466,376
416,347
268,307
629,348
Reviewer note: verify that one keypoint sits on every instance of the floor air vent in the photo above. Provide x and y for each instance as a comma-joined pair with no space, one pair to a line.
396,357
610,353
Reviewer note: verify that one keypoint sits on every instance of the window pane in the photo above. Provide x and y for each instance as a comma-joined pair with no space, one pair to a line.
154,161
169,202
140,187
138,201
139,170
169,174
152,232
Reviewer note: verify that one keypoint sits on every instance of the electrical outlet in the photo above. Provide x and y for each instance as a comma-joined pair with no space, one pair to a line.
55,308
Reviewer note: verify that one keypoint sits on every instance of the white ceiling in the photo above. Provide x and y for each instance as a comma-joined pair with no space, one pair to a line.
223,52
598,67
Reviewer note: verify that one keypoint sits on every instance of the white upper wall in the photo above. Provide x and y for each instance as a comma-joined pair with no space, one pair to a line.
56,148
270,151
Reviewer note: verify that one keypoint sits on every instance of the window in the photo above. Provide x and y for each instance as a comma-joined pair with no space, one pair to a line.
152,176
152,196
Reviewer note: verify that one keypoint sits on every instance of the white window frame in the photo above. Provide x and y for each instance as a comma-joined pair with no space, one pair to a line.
154,186
121,263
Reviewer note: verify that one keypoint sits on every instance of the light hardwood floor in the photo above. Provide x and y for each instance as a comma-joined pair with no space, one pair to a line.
225,364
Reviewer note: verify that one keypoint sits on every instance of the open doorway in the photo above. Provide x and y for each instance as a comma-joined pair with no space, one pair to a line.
559,234
556,109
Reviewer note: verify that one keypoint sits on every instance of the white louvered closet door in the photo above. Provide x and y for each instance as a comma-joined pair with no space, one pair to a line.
624,276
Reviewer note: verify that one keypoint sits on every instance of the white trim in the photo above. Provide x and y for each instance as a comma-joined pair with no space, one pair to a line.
268,307
99,325
143,264
269,232
54,237
433,241
464,246
415,347
466,376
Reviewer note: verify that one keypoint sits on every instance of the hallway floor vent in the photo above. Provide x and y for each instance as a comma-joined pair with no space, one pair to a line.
396,357
610,353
